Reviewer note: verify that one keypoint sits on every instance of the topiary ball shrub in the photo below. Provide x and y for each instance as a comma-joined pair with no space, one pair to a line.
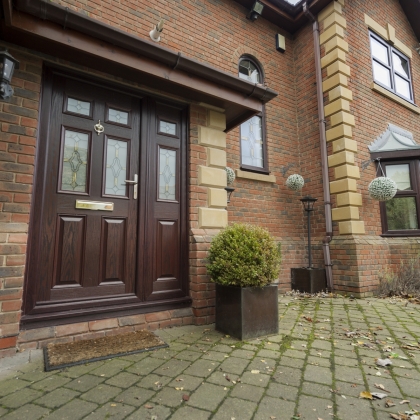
245,256
382,188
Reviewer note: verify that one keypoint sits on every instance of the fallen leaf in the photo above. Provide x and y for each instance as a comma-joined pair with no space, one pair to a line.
148,406
383,362
185,397
366,394
389,403
404,402
380,386
113,405
379,395
308,318
255,371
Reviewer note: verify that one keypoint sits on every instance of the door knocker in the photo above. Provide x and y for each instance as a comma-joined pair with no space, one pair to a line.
99,128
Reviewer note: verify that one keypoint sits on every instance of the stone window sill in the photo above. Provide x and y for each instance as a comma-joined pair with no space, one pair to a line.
255,176
395,98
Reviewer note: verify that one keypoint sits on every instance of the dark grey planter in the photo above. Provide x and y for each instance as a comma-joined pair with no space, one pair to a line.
309,280
247,312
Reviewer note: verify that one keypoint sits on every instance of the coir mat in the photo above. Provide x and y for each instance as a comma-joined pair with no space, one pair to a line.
60,356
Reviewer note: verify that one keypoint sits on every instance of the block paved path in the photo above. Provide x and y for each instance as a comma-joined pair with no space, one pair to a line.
310,370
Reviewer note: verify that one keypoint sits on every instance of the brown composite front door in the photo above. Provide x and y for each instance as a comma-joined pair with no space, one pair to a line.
108,227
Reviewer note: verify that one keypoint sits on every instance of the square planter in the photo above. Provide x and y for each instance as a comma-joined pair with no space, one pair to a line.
309,280
247,312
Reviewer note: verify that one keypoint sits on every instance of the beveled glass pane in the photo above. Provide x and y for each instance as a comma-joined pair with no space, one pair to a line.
401,213
75,160
78,107
402,87
400,65
379,51
116,167
251,142
167,174
167,127
248,71
400,174
381,74
118,116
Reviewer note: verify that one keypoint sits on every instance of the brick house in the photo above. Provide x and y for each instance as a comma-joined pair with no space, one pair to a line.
96,103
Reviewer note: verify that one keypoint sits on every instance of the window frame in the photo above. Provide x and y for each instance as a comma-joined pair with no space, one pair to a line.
391,50
264,169
414,168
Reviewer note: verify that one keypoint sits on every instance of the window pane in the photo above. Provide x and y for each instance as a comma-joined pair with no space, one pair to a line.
167,174
401,213
402,87
78,107
248,71
400,174
379,51
116,167
251,142
381,74
117,116
75,159
400,65
167,127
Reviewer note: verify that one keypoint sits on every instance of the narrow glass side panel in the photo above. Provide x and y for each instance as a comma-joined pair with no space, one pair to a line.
118,116
116,168
75,160
251,142
78,107
167,127
167,174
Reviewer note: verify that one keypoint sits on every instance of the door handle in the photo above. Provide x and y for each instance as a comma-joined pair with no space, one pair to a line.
134,183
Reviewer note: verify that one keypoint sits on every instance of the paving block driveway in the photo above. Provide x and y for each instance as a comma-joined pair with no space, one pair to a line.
311,370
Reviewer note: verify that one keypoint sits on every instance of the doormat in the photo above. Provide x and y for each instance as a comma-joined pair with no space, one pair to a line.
59,356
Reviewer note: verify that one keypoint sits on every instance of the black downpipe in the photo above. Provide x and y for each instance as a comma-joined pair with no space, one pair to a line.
323,146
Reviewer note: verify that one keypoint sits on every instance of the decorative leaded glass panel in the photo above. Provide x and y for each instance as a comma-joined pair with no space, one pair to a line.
401,213
167,127
78,107
116,167
400,174
248,71
75,159
252,143
167,174
118,116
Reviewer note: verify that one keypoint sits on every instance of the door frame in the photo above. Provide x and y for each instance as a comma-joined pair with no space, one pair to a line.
35,316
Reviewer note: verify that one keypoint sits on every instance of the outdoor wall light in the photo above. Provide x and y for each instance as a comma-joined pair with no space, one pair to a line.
229,193
7,66
308,204
156,31
255,11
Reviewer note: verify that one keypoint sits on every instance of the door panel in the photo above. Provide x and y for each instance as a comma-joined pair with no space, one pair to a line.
69,250
114,232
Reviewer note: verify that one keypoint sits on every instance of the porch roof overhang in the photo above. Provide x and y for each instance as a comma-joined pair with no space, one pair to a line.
55,30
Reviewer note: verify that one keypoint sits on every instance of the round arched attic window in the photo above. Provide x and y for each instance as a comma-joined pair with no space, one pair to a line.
249,71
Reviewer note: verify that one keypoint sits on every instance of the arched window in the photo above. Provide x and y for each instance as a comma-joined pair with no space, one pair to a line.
252,132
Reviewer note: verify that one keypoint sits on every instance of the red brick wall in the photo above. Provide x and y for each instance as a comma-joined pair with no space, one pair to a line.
18,119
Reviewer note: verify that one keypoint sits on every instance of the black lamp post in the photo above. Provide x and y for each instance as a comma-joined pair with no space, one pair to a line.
7,66
308,204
